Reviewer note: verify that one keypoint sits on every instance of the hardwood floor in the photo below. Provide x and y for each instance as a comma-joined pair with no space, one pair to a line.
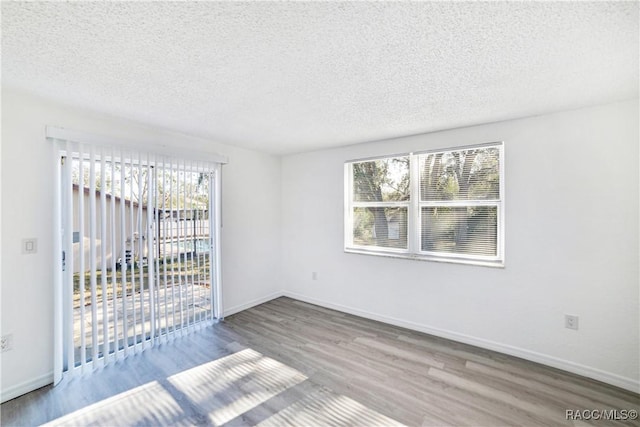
291,363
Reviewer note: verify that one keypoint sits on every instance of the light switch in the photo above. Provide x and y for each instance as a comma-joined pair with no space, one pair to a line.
29,246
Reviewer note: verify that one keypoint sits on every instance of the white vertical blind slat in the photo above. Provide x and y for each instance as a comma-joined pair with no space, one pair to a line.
132,261
213,238
198,232
179,250
141,236
156,255
150,252
123,261
113,245
164,250
185,182
156,236
92,256
58,279
171,245
68,259
103,260
188,230
216,223
81,268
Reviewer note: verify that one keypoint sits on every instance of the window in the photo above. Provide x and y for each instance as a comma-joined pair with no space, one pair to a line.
380,203
442,205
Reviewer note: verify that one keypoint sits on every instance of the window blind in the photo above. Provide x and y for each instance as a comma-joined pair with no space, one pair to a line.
441,205
137,249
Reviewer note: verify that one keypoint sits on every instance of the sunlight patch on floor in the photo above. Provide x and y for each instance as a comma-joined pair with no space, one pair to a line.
220,391
325,408
226,388
149,404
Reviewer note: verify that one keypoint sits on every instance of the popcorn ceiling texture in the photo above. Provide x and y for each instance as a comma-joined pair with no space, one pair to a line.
291,77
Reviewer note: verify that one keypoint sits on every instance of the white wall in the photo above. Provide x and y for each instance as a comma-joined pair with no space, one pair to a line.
572,189
571,245
250,235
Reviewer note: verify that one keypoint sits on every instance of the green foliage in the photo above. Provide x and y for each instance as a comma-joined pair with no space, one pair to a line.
173,188
461,175
381,180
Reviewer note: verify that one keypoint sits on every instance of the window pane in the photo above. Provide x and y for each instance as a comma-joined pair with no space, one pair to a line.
470,230
383,180
460,175
379,226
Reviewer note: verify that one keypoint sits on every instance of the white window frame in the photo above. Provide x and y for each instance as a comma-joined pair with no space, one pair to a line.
414,212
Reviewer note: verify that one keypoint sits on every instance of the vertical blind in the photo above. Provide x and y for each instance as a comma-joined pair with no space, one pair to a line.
137,248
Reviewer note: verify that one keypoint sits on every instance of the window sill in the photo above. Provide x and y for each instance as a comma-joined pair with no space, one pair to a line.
405,255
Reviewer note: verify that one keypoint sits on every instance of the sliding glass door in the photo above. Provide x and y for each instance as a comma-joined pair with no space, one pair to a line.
138,251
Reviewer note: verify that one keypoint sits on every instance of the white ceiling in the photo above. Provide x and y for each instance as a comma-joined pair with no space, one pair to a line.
296,76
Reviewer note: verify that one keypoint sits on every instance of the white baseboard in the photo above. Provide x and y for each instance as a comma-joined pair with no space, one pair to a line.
25,387
566,365
252,303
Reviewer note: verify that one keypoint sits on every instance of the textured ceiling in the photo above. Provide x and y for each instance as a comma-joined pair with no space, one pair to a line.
298,76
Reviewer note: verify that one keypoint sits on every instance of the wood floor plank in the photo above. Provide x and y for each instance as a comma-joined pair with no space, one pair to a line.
556,394
401,353
325,408
287,362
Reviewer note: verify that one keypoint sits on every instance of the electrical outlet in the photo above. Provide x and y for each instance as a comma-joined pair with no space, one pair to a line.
6,342
29,246
314,275
570,321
